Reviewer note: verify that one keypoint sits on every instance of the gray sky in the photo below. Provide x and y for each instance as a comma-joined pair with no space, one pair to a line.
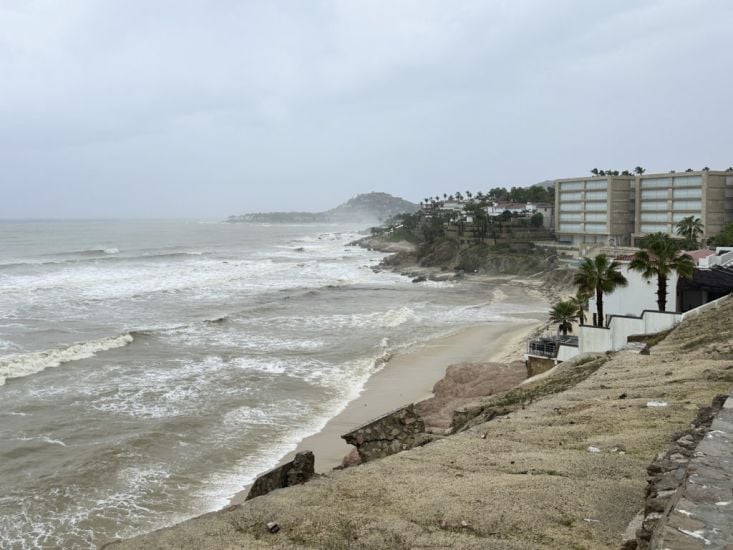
203,109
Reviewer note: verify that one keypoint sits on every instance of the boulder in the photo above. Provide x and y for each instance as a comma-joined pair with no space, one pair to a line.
297,471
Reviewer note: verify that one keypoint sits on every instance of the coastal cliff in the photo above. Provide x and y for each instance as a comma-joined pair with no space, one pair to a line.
563,466
365,208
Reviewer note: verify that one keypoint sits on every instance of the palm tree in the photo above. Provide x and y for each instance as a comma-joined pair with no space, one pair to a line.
563,313
594,171
639,170
690,228
599,275
580,302
659,257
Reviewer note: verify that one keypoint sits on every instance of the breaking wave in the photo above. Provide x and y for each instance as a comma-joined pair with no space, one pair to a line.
25,364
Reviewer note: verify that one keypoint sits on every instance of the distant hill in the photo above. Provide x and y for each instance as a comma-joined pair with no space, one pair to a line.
365,208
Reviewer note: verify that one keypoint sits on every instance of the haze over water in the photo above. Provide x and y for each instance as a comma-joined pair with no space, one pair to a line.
152,369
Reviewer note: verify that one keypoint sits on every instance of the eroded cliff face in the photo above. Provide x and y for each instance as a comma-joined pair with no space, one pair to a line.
463,384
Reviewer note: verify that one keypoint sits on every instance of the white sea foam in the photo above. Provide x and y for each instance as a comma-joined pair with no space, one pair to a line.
24,364
45,438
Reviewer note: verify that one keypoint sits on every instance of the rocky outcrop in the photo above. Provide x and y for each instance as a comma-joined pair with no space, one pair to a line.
295,472
389,434
463,384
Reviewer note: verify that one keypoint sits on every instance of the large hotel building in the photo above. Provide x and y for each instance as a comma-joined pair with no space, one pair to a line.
619,210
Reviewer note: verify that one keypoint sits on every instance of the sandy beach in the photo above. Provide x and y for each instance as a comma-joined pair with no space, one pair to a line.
409,377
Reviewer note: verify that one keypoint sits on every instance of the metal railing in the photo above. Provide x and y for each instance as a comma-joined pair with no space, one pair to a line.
547,346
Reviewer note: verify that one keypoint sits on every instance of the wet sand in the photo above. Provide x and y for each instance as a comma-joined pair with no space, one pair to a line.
409,377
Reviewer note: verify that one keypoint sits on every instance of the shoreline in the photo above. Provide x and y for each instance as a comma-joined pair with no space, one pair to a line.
409,377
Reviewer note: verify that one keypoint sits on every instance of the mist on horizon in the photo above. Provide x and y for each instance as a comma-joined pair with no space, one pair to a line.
135,110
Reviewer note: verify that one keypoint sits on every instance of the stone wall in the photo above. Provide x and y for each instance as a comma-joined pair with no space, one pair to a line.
702,516
538,365
394,432
297,471
666,479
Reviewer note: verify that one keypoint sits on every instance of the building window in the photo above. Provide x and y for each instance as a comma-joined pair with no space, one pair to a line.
571,196
571,186
654,216
572,227
687,205
656,182
678,216
595,228
654,194
596,206
567,217
572,206
595,217
688,181
687,193
654,228
596,195
654,205
596,184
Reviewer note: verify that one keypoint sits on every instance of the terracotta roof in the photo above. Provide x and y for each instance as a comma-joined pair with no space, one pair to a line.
699,254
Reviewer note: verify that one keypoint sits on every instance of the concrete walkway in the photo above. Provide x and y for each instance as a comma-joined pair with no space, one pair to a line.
703,515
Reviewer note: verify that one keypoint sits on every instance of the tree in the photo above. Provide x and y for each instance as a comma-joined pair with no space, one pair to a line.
599,276
536,219
659,257
690,228
580,303
563,313
724,238
594,171
639,170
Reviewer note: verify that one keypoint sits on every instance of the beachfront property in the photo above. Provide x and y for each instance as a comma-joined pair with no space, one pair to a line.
664,199
595,210
621,210
632,310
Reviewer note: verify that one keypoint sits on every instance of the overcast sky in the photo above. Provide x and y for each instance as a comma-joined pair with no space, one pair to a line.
202,109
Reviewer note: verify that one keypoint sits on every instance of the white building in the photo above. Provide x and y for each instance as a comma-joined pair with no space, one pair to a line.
639,295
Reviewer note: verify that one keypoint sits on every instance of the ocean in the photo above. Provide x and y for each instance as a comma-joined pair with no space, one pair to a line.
149,370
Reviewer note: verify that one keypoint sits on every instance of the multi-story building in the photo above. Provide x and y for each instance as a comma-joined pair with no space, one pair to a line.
595,210
664,199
